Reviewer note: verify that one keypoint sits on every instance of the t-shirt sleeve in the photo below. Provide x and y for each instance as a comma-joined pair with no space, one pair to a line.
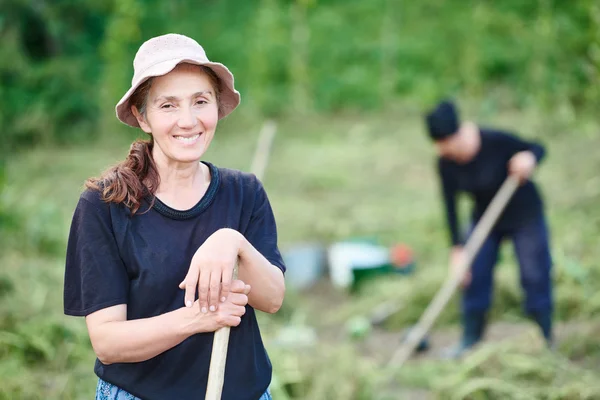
516,144
262,228
95,276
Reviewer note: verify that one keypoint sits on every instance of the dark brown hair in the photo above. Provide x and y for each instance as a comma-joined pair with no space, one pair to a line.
137,177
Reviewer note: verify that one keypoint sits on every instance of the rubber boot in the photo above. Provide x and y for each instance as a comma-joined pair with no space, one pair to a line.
543,319
474,324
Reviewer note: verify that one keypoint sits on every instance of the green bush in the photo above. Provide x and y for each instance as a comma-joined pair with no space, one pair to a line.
63,66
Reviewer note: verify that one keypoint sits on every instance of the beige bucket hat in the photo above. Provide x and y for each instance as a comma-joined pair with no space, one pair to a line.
160,55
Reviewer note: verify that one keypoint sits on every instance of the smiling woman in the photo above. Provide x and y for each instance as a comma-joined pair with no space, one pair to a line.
163,225
181,113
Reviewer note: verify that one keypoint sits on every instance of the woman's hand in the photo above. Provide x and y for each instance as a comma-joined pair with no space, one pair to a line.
229,312
211,270
521,165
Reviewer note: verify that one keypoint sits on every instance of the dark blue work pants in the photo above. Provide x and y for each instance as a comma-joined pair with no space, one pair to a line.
531,245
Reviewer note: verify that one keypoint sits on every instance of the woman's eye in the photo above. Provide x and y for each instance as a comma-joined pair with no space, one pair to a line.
167,106
201,102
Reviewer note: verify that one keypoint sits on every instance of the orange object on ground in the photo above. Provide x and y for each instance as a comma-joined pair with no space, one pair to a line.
401,255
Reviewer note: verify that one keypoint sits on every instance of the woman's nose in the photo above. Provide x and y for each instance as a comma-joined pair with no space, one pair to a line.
187,119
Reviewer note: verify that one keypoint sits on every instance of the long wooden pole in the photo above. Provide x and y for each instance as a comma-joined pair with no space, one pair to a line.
218,357
443,296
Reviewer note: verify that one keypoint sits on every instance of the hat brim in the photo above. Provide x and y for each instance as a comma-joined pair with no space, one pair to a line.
229,97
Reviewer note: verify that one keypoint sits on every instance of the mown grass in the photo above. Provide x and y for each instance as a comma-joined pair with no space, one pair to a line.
329,178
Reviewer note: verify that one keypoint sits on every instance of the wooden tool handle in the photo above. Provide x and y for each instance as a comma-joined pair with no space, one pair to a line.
443,296
218,358
263,150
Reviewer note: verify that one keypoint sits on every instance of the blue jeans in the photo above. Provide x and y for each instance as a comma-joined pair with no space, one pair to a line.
108,391
531,244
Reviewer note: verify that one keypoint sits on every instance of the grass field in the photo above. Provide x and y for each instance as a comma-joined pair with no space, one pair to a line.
329,178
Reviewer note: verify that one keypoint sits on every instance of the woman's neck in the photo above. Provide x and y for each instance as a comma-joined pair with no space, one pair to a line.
182,185
177,177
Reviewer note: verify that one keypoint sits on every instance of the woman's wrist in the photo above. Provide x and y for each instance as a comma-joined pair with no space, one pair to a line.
191,321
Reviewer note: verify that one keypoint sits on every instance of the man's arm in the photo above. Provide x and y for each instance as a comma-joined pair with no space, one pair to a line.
449,194
517,145
525,156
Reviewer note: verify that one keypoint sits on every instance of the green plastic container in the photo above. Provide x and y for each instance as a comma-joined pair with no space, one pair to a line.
355,261
361,275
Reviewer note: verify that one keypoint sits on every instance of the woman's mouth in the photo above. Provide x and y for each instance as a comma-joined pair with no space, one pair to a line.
187,139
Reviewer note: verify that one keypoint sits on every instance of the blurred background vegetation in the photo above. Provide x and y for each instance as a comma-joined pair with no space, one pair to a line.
347,82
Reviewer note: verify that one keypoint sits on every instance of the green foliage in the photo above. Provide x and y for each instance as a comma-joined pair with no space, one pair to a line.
324,372
511,371
122,35
65,64
47,71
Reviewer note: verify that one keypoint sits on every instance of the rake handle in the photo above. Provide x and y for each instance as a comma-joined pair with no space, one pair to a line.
443,296
218,357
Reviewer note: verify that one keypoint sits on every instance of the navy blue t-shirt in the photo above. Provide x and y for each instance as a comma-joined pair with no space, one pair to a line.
116,258
482,177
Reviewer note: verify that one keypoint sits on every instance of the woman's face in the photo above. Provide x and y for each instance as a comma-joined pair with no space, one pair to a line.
181,114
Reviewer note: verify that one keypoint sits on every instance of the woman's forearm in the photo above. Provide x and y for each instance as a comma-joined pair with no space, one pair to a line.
140,339
266,280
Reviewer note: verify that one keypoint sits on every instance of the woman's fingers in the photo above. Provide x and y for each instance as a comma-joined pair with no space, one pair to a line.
238,299
233,321
189,284
230,315
208,285
236,311
237,286
226,281
203,285
214,290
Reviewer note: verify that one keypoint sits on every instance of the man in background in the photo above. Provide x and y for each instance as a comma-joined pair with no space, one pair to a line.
477,161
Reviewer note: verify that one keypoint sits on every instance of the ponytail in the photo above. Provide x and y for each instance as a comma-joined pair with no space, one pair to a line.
137,177
131,180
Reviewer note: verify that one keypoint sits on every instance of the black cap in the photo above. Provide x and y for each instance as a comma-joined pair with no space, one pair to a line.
442,121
